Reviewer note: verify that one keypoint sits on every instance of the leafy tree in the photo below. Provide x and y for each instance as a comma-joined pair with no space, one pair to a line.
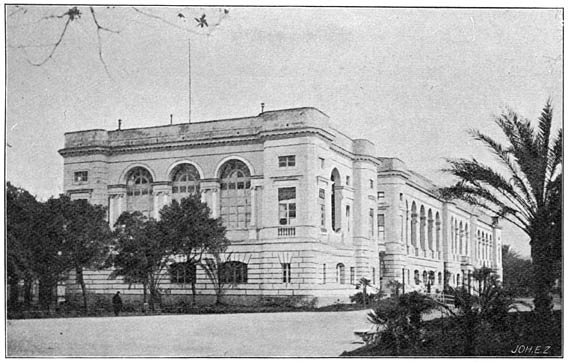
22,214
191,231
141,253
516,272
84,234
215,267
525,190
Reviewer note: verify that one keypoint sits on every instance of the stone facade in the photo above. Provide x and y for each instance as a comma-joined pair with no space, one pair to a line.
309,211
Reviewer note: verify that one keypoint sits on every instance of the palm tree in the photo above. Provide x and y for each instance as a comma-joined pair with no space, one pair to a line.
525,189
364,283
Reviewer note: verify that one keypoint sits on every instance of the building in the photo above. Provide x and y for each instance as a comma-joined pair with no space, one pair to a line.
309,211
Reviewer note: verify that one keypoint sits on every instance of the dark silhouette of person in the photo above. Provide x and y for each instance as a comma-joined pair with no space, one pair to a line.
117,303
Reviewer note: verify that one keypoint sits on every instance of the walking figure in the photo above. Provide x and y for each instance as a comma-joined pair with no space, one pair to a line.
117,303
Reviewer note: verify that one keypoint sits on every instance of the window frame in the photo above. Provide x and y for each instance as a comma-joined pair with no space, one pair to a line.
189,271
80,181
234,272
381,226
287,210
286,273
287,161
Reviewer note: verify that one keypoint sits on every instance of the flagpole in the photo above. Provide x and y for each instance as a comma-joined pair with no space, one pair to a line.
189,76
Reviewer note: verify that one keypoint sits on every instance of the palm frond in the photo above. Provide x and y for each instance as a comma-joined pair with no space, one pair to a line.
504,155
482,176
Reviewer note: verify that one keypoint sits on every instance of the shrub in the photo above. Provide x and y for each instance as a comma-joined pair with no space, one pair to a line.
371,298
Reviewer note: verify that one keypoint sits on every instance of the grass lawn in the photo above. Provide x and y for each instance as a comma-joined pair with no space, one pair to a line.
522,334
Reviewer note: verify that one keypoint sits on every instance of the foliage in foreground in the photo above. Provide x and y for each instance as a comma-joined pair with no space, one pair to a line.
525,188
515,337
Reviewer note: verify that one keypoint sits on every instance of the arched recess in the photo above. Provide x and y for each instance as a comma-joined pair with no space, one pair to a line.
340,273
430,230
185,180
223,162
235,196
335,200
422,228
407,222
438,232
460,245
467,241
139,196
413,225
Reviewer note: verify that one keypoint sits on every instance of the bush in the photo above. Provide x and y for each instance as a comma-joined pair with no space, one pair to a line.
371,298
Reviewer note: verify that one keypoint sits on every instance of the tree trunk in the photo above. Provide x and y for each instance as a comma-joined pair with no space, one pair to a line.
14,293
543,276
193,293
45,293
28,282
81,281
145,296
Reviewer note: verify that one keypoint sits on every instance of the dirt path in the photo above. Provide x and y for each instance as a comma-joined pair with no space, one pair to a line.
307,334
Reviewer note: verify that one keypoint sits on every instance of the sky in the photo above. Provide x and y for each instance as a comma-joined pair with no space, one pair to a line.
412,80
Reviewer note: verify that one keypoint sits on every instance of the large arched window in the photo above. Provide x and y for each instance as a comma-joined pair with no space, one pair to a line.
335,201
139,191
235,194
340,273
185,181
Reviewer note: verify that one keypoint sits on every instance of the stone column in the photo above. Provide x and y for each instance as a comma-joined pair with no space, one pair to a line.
162,196
117,202
210,194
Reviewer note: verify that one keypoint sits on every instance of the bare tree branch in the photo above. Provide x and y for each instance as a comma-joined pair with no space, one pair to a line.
211,27
55,46
99,42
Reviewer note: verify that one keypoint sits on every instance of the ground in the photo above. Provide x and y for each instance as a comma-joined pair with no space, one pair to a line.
300,334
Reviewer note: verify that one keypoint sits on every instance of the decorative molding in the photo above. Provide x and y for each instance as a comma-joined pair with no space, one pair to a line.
286,178
79,191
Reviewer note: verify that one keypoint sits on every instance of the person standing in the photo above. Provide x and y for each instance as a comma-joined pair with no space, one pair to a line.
117,303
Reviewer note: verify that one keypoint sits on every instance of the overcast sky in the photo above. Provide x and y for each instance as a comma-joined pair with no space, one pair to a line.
411,80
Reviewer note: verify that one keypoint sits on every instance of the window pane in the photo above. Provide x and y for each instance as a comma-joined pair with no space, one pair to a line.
286,193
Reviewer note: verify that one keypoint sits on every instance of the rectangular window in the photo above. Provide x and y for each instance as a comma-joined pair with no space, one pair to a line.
81,176
347,180
348,217
323,274
322,162
287,161
352,275
371,222
286,276
322,207
380,196
373,276
371,183
287,205
381,226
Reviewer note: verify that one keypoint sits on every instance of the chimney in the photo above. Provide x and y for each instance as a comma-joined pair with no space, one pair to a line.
262,107
119,123
171,119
